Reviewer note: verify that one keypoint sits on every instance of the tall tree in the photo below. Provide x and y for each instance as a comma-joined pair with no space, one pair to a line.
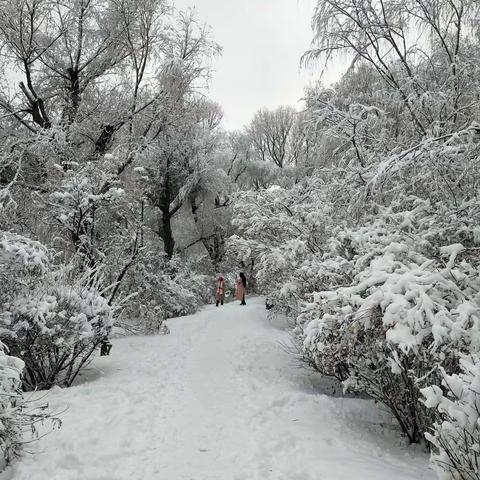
182,137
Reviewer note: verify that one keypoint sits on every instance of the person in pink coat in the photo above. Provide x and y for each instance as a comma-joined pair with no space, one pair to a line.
241,288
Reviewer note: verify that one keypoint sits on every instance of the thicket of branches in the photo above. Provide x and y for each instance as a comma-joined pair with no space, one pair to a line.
371,241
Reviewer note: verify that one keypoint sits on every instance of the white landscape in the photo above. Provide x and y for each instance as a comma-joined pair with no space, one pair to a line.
219,398
240,239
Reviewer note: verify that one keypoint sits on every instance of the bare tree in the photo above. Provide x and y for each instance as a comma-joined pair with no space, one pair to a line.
270,131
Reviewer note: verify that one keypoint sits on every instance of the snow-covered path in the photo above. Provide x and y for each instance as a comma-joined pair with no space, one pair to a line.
218,398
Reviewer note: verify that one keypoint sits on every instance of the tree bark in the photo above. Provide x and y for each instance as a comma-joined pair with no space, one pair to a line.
166,232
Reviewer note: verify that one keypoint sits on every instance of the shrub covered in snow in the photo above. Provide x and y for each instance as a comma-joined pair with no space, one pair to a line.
18,252
378,305
10,405
280,236
56,327
409,307
53,318
165,288
22,262
456,432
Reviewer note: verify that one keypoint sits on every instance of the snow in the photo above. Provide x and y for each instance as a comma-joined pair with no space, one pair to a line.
219,398
453,251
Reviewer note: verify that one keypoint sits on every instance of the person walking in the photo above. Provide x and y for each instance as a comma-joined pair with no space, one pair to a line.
220,292
241,288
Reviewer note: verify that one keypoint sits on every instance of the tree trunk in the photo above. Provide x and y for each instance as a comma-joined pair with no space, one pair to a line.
165,200
218,247
166,232
73,94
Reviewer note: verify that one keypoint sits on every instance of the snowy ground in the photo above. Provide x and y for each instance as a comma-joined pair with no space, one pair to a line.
219,398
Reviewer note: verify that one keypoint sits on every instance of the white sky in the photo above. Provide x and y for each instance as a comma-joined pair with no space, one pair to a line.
262,42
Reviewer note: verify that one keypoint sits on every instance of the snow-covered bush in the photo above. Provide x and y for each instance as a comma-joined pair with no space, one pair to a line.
10,405
56,327
456,432
165,288
411,305
22,261
53,318
280,239
395,296
91,215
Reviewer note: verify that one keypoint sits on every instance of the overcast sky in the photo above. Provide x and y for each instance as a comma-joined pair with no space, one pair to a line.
262,42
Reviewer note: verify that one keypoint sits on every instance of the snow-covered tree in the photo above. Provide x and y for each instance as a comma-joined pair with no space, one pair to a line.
108,126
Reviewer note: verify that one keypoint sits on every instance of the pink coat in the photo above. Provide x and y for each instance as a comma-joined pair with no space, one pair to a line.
239,289
220,292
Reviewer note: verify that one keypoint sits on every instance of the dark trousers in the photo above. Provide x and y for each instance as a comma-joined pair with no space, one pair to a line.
105,348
